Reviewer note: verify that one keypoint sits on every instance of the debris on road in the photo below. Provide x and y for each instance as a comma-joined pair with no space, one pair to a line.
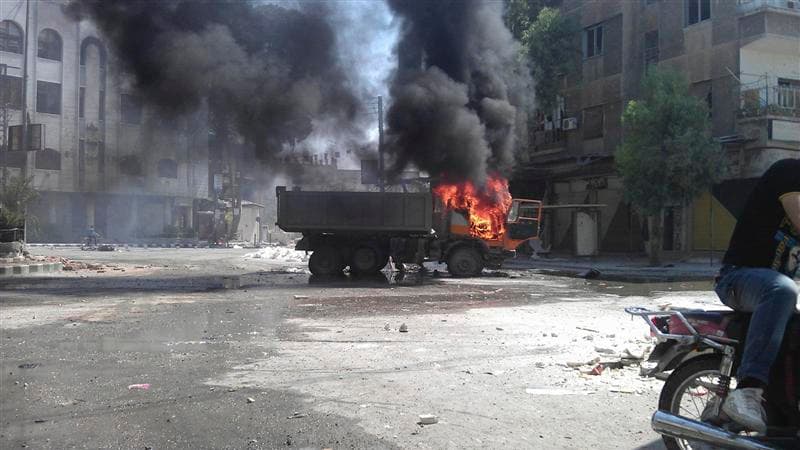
587,329
139,387
404,328
297,415
591,274
251,400
597,370
300,297
230,282
427,419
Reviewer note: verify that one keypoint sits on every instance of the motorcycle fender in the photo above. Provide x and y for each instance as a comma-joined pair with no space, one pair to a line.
668,355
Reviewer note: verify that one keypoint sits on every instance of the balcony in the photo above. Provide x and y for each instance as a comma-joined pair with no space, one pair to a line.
548,139
750,6
759,99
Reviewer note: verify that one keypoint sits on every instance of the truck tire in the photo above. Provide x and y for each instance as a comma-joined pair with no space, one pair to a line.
367,260
325,261
464,262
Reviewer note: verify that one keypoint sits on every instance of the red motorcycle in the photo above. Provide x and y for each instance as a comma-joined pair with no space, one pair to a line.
697,354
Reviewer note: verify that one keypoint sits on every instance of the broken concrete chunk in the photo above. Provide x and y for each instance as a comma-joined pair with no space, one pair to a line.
404,328
250,400
634,354
427,419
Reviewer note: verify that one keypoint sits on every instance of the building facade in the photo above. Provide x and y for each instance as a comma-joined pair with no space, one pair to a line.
97,155
741,56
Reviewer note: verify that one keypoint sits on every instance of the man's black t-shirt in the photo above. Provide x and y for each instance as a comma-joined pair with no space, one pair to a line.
764,235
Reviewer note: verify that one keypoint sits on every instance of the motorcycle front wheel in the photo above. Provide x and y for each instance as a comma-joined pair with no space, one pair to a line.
691,391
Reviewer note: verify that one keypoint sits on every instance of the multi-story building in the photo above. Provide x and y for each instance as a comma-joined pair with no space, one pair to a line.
97,155
741,56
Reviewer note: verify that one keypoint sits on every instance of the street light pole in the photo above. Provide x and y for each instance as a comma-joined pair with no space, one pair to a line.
24,133
380,144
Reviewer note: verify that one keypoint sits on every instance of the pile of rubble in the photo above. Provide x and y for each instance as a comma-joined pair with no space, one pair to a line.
70,265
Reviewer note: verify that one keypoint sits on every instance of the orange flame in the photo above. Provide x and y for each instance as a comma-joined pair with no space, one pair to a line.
486,208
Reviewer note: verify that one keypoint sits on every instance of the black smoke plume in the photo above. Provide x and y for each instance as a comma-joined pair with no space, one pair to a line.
266,72
457,89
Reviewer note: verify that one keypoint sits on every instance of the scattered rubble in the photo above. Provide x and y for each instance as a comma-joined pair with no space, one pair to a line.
427,419
279,253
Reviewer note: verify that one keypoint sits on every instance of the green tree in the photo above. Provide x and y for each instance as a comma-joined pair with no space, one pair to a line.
549,42
16,194
519,14
668,156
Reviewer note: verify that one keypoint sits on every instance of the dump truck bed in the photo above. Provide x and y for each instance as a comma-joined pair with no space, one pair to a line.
354,212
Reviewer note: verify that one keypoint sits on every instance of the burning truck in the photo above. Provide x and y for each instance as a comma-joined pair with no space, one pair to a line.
467,227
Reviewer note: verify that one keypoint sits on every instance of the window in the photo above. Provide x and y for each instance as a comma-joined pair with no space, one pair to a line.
101,51
13,159
48,159
130,165
167,168
593,122
697,11
651,48
131,106
11,91
593,41
10,37
788,93
702,90
48,97
49,45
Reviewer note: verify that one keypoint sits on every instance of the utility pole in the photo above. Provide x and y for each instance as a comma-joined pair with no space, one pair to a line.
4,106
380,144
26,166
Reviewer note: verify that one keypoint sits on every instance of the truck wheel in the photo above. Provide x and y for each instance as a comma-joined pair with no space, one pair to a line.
325,261
464,262
367,260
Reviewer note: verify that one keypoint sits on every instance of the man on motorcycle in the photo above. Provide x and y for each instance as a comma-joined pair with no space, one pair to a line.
757,276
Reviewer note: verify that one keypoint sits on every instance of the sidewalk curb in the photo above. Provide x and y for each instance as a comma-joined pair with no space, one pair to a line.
30,269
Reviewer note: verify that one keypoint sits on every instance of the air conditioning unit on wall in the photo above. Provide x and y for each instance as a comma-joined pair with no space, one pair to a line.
570,123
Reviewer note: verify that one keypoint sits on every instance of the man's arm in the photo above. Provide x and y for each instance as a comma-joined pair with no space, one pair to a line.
791,204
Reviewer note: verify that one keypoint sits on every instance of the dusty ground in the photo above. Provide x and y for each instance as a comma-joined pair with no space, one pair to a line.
289,361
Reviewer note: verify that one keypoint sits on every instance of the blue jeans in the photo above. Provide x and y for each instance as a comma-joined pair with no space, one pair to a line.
772,298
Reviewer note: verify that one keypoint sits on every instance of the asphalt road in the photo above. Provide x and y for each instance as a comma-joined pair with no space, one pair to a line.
280,360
